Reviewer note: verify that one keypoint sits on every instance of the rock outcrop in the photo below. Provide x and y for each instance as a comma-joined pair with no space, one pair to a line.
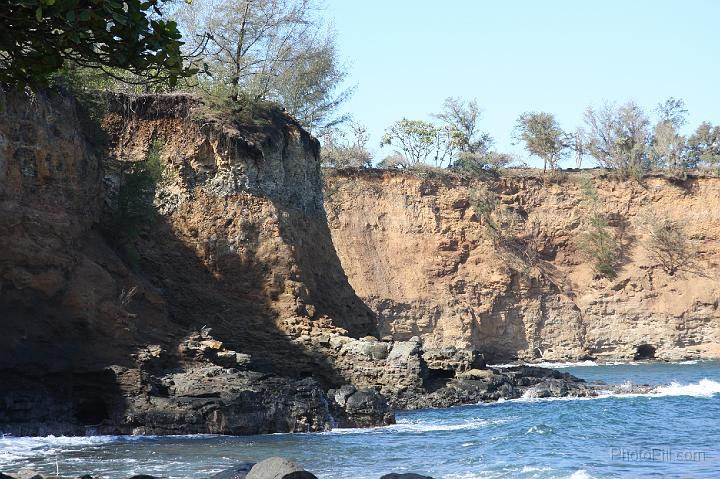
431,268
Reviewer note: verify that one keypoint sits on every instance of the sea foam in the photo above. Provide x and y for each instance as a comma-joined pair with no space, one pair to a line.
703,388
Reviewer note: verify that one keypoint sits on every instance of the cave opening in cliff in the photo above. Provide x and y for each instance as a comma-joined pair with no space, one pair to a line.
438,378
91,412
441,373
645,351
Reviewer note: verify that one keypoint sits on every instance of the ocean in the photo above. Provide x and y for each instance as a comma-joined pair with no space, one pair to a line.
674,432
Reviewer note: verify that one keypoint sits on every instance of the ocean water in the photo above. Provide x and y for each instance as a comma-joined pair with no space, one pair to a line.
674,432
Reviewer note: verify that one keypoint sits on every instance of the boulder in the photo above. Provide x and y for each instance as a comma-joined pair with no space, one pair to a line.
278,468
402,351
26,474
236,472
341,395
359,408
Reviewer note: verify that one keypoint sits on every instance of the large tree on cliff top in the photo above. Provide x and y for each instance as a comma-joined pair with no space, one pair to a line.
279,50
543,137
37,37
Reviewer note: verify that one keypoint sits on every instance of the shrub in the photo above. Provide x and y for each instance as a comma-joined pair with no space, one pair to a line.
668,244
598,241
601,246
478,164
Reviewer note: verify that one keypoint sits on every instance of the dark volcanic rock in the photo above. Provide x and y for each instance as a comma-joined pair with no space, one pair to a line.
411,378
359,408
486,385
164,394
204,397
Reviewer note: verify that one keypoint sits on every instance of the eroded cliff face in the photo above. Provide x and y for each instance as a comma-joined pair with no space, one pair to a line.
243,244
419,253
199,333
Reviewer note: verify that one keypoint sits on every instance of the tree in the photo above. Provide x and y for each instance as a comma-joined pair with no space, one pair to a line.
704,146
578,146
618,137
543,137
470,146
268,50
338,152
461,119
419,142
668,147
307,88
672,111
601,246
134,209
37,37
394,160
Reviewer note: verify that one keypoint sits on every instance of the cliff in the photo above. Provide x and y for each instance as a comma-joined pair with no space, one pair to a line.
239,246
420,253
253,301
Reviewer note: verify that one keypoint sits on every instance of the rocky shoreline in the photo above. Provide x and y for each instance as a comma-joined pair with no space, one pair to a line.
205,388
235,316
271,468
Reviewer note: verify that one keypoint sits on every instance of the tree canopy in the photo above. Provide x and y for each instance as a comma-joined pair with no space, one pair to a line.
617,137
543,137
277,50
37,37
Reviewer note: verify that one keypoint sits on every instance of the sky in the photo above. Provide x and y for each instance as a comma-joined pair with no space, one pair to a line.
560,56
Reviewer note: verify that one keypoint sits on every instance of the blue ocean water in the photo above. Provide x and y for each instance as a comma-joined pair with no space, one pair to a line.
674,432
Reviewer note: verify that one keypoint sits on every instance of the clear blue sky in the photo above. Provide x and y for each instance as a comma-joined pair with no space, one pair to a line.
514,56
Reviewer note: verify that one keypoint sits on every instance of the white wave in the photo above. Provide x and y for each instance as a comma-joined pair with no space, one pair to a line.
580,474
19,448
424,426
548,364
703,388
527,469
588,363
14,448
541,429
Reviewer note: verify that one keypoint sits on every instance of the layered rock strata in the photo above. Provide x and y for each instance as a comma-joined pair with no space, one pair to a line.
497,263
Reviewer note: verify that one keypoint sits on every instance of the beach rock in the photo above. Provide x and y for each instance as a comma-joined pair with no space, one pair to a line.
278,468
236,472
